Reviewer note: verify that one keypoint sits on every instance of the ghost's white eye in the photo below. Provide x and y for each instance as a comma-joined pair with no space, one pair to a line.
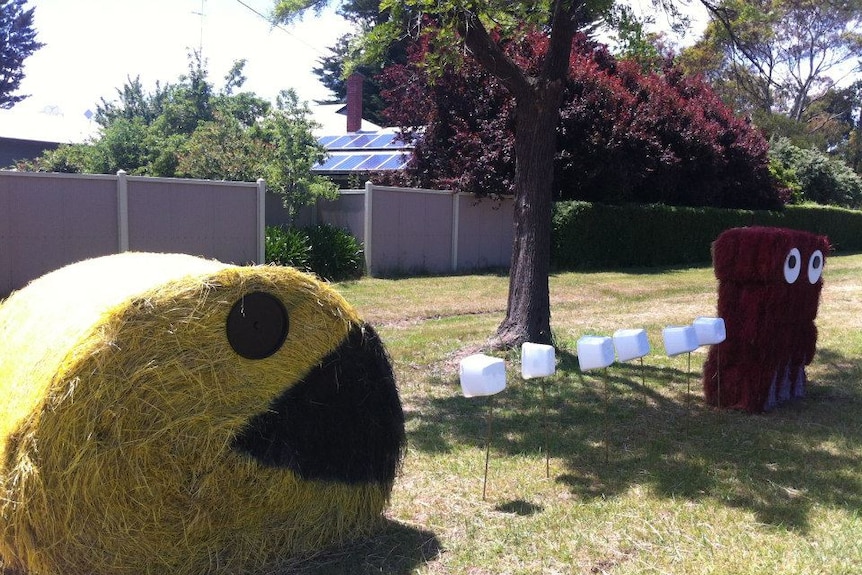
815,267
792,266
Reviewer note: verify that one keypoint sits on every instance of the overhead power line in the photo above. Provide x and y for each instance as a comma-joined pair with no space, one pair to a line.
283,29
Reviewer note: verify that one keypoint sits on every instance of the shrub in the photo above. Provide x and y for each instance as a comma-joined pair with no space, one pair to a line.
287,247
822,179
330,252
335,254
624,135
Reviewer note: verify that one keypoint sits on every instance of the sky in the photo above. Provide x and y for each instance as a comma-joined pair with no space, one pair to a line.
93,47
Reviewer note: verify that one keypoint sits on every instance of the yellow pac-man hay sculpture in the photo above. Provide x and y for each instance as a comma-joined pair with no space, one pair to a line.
168,414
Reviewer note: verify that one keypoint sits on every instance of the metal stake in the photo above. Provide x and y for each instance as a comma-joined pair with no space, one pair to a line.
688,383
718,372
488,443
643,380
545,419
607,409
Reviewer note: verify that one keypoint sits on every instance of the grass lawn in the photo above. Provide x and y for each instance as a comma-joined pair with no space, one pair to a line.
642,478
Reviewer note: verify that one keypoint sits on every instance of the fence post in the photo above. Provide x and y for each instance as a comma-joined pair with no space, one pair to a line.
369,227
315,218
261,221
122,211
456,222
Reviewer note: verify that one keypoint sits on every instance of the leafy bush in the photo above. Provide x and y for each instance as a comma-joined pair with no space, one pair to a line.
785,176
330,252
335,254
287,247
821,178
624,135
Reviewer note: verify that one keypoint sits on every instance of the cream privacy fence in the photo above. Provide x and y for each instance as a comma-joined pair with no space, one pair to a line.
50,220
408,230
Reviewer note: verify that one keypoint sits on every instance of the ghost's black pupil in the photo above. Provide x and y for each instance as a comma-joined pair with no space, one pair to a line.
816,263
257,325
791,262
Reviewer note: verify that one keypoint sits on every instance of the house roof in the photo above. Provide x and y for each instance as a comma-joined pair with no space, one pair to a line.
332,119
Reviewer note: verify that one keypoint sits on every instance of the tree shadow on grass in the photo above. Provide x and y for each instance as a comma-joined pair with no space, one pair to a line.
396,549
611,432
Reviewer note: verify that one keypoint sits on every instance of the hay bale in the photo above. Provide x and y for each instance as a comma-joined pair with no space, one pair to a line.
167,414
769,284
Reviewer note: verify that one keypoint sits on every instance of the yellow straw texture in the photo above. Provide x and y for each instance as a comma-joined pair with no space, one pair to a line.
119,399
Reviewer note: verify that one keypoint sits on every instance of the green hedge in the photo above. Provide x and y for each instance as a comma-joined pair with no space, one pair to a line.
594,236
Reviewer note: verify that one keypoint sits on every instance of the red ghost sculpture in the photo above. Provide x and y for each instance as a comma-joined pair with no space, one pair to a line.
769,282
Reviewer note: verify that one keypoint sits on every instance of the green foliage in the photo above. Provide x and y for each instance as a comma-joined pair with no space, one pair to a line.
633,42
785,177
189,129
64,160
590,236
221,149
133,102
293,152
288,11
335,254
822,179
124,146
330,252
780,56
17,43
287,247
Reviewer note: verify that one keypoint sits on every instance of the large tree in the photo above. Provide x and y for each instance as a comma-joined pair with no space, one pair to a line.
625,134
537,95
778,56
17,43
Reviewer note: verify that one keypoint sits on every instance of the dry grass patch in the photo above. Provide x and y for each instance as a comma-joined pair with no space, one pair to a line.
641,480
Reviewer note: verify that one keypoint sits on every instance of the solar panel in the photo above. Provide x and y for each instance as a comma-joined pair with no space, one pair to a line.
365,152
351,161
341,142
346,162
330,163
385,141
374,162
360,141
395,162
376,141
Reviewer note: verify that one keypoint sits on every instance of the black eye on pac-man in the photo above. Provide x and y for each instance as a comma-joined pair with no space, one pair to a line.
257,325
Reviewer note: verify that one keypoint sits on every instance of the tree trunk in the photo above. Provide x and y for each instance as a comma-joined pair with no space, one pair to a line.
537,113
529,309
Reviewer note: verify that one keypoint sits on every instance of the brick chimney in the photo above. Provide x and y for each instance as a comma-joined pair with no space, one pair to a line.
354,102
